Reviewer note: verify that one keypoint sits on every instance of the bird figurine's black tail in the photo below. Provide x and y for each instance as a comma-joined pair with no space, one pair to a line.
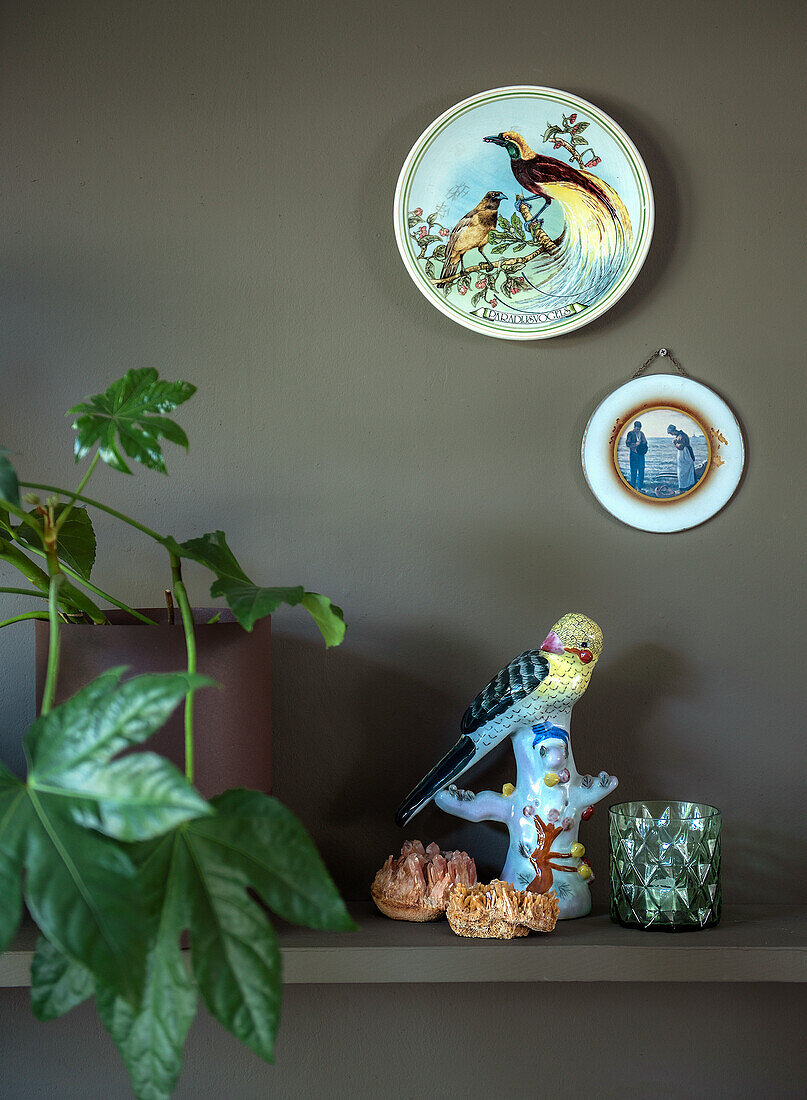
454,763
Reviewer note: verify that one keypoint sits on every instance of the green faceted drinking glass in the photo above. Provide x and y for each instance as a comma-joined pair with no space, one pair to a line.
665,865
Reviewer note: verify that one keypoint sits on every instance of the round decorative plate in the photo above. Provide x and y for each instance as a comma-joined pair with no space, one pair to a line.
663,453
523,212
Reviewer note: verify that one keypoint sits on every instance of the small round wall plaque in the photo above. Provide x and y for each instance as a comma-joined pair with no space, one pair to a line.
523,212
663,453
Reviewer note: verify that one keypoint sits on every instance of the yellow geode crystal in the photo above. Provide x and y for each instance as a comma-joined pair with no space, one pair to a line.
499,911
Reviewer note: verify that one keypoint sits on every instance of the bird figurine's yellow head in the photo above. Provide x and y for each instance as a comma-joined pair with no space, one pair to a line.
572,648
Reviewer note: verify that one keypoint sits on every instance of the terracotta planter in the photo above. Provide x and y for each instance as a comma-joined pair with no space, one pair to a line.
232,724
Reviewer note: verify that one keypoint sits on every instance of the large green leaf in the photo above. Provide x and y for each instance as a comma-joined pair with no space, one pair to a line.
70,755
252,843
104,718
203,876
236,959
130,415
82,887
151,1036
9,486
76,541
249,601
258,834
57,983
135,798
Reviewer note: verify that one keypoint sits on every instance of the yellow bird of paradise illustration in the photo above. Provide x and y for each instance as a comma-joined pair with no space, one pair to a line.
595,246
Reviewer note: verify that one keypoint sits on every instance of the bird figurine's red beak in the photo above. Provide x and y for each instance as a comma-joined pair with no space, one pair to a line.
552,644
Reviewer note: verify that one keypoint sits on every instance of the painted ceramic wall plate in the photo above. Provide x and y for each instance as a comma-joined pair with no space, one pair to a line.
663,453
523,212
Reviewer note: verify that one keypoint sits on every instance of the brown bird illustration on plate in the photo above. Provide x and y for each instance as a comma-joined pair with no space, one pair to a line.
472,231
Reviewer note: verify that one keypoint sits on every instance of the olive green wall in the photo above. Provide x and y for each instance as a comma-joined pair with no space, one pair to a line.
207,187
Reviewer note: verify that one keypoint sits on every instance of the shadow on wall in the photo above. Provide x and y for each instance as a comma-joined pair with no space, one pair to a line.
667,188
352,736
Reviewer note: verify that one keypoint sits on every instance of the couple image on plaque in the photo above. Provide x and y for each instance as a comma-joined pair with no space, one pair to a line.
637,445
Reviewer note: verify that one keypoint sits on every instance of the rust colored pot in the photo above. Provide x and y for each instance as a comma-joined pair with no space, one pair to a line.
232,724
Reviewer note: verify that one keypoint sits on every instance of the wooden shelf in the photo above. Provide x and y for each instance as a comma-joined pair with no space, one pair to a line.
751,944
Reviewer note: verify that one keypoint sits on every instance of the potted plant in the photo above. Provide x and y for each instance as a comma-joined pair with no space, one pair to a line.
114,851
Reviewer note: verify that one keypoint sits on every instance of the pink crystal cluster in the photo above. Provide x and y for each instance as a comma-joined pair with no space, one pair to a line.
422,878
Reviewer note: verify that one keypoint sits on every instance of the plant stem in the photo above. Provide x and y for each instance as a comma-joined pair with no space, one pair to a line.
39,579
25,592
96,504
21,514
27,615
99,592
190,644
49,693
74,496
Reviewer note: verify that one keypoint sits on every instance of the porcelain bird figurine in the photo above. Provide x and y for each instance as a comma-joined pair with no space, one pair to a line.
530,701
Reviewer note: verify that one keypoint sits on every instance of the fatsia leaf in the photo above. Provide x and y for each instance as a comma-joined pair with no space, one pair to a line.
277,855
103,718
249,601
81,889
57,983
9,486
130,416
236,960
70,754
329,618
76,542
138,797
251,844
150,1037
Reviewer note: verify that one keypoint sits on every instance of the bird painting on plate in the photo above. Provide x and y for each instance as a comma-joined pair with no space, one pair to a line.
595,246
471,231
